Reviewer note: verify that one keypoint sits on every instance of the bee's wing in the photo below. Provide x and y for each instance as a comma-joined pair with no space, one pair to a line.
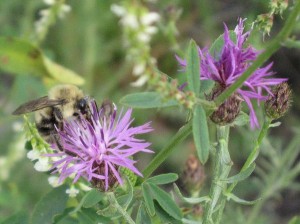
37,104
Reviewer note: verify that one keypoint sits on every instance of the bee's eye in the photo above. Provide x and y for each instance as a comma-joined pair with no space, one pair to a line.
82,105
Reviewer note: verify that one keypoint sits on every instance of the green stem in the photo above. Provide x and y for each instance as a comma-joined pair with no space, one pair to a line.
166,151
112,199
255,151
272,47
222,166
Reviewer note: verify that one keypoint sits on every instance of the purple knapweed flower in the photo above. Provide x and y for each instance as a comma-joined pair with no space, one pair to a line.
226,66
95,148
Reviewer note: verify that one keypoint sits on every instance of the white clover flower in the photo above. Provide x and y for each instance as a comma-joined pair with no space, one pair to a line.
118,10
49,2
138,69
149,18
54,181
42,165
72,192
17,126
84,187
151,30
34,154
140,82
131,21
64,9
144,37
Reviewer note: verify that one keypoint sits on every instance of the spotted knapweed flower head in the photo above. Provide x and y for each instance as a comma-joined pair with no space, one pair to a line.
95,148
226,66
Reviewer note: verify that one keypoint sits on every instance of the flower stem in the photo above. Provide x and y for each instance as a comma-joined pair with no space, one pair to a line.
166,151
222,166
255,151
272,47
112,199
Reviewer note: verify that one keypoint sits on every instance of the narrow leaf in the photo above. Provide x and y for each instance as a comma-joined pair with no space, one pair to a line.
146,100
142,216
92,198
23,58
241,201
165,201
241,175
193,68
200,133
49,206
148,198
163,179
190,200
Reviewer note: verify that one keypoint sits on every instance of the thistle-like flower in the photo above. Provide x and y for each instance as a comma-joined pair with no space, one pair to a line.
226,66
95,148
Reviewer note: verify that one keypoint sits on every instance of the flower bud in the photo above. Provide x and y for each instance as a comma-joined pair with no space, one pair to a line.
227,111
193,175
278,104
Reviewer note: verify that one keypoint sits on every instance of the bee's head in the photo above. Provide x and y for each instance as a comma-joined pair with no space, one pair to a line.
82,106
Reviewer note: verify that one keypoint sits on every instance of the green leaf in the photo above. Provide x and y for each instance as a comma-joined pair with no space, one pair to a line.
146,100
295,220
241,175
148,198
21,57
206,86
92,198
165,201
18,218
190,200
163,179
193,68
87,216
241,201
218,44
200,133
49,206
142,216
164,217
125,200
241,119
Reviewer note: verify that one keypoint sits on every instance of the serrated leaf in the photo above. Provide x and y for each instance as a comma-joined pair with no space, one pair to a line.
146,100
190,200
163,179
142,216
218,44
200,133
241,175
165,201
49,206
241,201
193,68
20,217
148,199
92,198
23,58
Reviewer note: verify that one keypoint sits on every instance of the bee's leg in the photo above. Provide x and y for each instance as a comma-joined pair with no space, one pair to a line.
107,109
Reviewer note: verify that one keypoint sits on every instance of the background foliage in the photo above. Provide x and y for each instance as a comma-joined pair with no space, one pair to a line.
88,40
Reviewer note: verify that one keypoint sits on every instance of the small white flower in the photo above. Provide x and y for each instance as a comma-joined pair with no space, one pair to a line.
84,187
150,18
42,165
44,12
118,10
34,154
144,37
151,30
72,192
49,2
141,81
130,20
64,9
17,126
53,181
138,69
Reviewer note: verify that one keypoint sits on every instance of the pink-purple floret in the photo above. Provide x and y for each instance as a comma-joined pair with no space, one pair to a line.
231,63
109,142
